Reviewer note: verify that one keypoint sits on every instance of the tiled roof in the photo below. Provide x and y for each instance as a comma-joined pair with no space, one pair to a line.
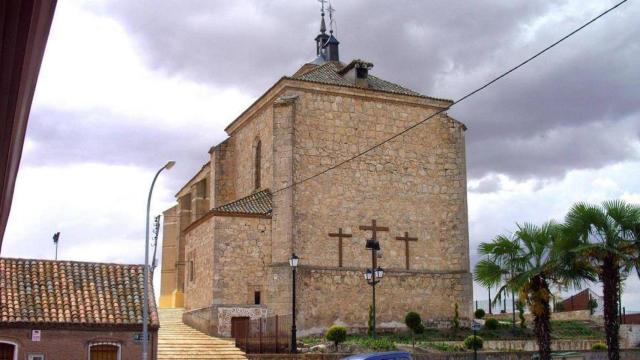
72,293
328,73
258,203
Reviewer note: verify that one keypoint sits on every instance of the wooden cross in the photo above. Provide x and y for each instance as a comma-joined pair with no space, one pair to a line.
406,240
340,235
373,228
374,238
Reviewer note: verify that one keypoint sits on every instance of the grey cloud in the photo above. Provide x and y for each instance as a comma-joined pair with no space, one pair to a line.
63,137
439,48
545,155
487,184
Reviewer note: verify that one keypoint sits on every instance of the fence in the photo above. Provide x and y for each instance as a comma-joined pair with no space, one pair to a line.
264,335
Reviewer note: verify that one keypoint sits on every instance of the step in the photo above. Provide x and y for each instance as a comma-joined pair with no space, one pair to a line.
179,341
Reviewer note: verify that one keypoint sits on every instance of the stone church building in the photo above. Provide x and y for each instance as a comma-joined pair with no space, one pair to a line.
258,200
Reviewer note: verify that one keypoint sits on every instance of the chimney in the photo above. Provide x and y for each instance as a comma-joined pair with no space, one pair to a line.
357,72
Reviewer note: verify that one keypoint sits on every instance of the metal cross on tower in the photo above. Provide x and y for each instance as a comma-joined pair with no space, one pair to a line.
322,2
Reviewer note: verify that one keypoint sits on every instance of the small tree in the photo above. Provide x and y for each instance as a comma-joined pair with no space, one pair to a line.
520,306
473,342
456,318
479,314
414,323
592,305
336,334
370,321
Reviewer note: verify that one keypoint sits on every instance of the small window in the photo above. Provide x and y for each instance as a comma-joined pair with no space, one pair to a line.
256,297
257,165
192,270
35,357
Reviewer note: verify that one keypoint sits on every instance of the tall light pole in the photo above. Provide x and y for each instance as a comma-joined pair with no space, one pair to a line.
373,277
145,295
293,262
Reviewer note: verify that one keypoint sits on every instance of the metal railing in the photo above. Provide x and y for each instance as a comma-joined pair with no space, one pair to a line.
264,335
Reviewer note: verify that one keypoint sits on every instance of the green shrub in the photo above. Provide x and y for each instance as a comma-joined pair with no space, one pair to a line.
479,314
413,321
491,324
592,305
456,319
559,307
473,342
336,334
599,346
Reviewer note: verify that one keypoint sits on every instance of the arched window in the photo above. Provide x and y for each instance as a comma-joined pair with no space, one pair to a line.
257,165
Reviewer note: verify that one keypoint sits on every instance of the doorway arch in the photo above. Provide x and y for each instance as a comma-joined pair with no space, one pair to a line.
8,350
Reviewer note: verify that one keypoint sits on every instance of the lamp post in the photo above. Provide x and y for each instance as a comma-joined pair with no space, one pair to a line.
145,295
293,262
373,276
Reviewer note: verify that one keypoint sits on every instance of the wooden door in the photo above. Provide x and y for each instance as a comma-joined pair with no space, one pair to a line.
7,351
104,352
239,327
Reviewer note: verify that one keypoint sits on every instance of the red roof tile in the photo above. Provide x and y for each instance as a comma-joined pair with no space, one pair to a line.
72,292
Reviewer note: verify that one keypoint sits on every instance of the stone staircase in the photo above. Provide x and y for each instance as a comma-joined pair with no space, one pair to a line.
179,341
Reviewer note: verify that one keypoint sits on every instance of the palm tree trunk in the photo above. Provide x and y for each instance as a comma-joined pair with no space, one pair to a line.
610,278
542,316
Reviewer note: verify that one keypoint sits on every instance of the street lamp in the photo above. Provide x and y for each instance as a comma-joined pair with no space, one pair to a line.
145,295
373,276
293,262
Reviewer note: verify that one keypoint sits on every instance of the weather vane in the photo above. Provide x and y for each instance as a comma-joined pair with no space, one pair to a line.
332,22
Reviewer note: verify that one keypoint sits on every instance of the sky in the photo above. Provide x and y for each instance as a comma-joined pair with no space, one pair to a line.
127,85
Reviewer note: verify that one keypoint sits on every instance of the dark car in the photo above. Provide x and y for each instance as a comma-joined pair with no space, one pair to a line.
391,355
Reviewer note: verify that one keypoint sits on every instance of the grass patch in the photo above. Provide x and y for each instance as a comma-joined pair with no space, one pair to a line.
313,340
444,347
571,329
381,343
566,329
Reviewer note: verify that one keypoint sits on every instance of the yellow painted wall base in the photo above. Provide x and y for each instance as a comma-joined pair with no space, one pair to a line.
177,299
165,301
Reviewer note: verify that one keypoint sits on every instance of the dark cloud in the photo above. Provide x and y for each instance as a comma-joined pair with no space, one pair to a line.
66,137
439,48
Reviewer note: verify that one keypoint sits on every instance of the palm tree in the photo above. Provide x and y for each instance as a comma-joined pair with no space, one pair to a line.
536,264
607,236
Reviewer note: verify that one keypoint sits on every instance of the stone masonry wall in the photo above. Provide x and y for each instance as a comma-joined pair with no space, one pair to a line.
331,296
416,183
242,252
199,249
259,128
